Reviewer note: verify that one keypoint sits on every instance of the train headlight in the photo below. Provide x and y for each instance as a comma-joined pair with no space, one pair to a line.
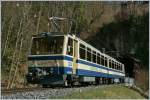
30,73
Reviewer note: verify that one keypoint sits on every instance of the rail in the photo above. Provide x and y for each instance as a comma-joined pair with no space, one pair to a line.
11,91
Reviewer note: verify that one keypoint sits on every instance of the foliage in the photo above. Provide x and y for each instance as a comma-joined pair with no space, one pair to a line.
129,36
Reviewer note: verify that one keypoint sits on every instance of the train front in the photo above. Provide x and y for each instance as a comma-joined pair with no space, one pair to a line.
45,62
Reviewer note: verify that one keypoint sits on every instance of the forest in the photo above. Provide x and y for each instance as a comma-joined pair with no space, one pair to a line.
115,26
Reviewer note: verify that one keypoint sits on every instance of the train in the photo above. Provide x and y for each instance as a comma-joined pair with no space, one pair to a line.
56,58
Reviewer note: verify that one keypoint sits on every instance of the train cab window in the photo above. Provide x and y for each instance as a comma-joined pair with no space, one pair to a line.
102,59
105,61
70,47
94,56
82,51
89,55
47,45
98,58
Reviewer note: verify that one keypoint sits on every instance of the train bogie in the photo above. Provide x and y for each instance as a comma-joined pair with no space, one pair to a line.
87,79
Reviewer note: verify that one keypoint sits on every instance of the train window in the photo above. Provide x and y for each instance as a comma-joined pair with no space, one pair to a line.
102,59
113,64
105,61
94,56
82,51
120,66
70,47
82,46
47,45
117,66
110,64
98,58
89,56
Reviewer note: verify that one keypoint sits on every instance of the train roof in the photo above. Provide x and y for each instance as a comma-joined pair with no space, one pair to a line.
43,34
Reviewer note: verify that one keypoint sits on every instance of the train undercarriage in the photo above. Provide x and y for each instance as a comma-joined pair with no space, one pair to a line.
71,80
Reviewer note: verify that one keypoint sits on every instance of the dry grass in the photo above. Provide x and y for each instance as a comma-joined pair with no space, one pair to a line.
110,92
142,79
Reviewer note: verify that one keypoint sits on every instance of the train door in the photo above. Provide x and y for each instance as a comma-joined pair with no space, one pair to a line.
75,56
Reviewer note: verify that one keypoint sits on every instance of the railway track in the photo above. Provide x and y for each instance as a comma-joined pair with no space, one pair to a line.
36,93
36,89
5,91
12,91
45,93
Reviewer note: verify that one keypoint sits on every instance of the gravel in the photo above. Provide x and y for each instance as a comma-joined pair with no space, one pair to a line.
47,93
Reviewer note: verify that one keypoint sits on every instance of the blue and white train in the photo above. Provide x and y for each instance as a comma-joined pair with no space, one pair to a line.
64,59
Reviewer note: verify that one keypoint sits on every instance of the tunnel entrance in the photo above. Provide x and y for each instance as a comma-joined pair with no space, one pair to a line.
131,64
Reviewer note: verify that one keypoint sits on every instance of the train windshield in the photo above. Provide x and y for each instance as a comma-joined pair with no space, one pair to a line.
47,45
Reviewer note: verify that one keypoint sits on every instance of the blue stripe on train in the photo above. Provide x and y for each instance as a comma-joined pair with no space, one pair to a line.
68,70
97,74
98,66
90,64
69,59
50,58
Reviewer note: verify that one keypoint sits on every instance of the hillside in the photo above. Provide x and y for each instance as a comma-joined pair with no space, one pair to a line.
114,26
